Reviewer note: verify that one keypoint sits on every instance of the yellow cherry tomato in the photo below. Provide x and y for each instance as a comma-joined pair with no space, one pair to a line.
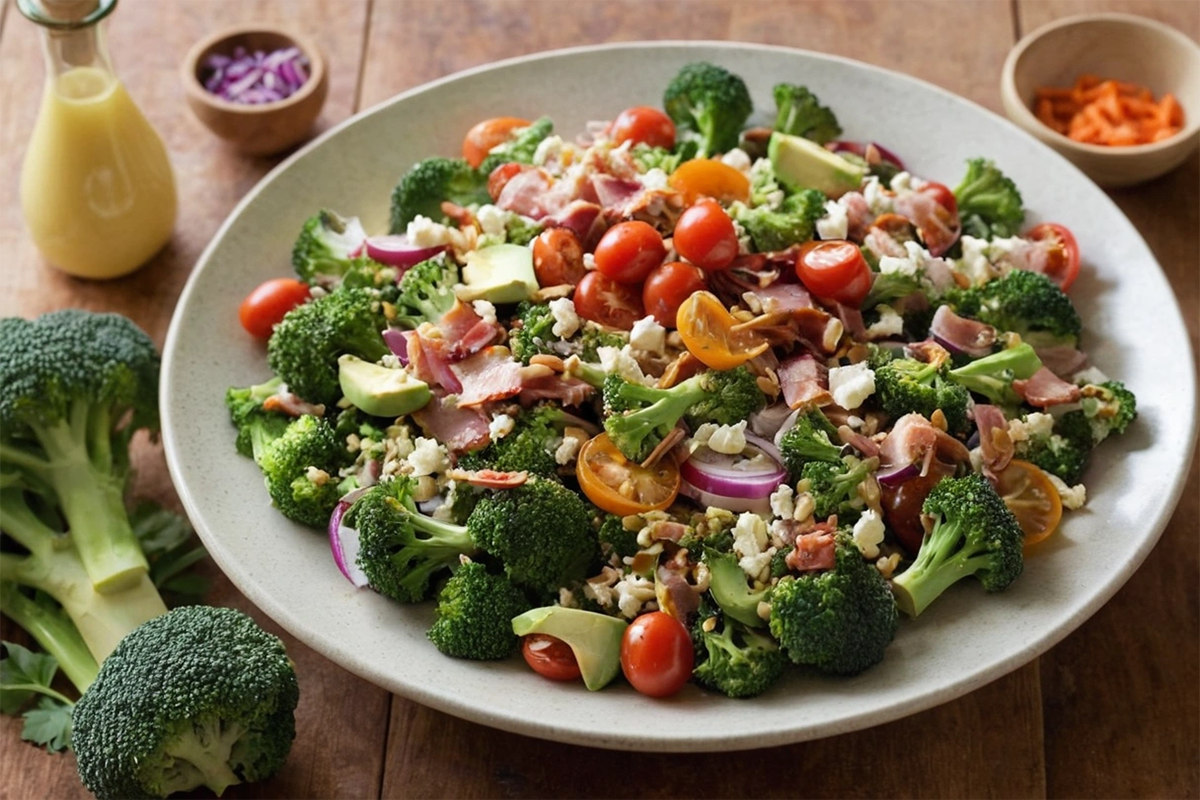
1030,495
620,486
703,177
709,332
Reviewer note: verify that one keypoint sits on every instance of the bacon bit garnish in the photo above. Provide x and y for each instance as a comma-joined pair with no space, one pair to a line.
668,443
292,405
489,478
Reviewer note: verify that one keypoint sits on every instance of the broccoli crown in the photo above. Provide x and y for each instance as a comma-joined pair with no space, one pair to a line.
614,537
1109,408
794,223
426,291
708,104
528,447
811,438
992,376
973,533
730,591
304,348
834,487
431,182
200,696
1065,450
737,661
256,426
474,614
989,204
906,385
840,620
400,550
520,148
1024,302
301,467
541,532
326,246
536,335
801,114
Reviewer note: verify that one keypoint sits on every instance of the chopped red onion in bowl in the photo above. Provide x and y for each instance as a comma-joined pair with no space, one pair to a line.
255,78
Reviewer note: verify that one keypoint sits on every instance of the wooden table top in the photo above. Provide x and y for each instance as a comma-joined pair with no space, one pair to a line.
1113,710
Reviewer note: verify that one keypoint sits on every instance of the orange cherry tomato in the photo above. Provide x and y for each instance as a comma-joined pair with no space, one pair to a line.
705,236
1063,264
620,486
500,177
835,269
550,657
603,300
703,177
1030,495
264,307
644,125
667,287
657,655
708,331
557,258
487,134
629,251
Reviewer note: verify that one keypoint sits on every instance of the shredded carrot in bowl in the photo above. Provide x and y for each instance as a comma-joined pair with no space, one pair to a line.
1108,112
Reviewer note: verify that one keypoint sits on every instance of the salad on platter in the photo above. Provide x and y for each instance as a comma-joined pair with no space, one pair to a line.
679,397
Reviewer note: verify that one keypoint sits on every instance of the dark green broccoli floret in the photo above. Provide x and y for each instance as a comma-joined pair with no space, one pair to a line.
198,697
1064,451
429,183
737,661
640,416
709,104
521,230
303,351
1024,302
474,614
1109,408
840,620
801,114
992,376
520,148
989,204
328,246
730,590
793,223
526,447
615,538
307,443
812,438
536,335
256,426
426,291
834,487
973,533
906,385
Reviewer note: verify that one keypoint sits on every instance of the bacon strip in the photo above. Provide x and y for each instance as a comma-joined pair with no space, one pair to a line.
993,437
490,374
567,389
460,429
804,381
1063,360
813,551
959,333
1046,389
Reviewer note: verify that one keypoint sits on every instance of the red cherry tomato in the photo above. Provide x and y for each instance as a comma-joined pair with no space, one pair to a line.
667,287
557,257
942,194
628,251
705,236
487,134
656,654
1063,265
617,305
263,308
835,270
500,177
644,125
550,657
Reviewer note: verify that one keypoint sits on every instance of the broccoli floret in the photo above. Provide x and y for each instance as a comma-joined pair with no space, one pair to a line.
906,385
474,614
327,246
431,182
992,376
301,467
840,620
426,292
647,158
256,426
520,148
973,533
812,438
709,104
198,697
888,287
834,487
1109,408
1024,302
615,538
526,447
640,416
521,230
738,661
303,351
801,114
729,588
989,204
1064,451
536,335
794,223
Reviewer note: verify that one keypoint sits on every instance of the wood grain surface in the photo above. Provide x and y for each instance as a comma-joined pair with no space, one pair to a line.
1112,711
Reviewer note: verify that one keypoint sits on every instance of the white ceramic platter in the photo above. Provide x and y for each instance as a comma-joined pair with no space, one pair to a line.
1133,331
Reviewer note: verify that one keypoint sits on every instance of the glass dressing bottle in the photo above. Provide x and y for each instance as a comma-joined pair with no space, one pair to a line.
97,190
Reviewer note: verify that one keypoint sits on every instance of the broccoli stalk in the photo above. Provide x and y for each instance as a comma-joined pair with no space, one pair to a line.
794,223
989,204
973,533
811,438
431,182
474,614
738,661
426,292
709,105
800,113
55,634
727,583
992,376
906,385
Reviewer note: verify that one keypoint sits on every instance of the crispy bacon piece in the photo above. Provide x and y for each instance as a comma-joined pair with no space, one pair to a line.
804,381
489,478
1063,360
1046,389
959,333
460,429
994,441
292,405
490,374
567,389
914,440
814,550
673,591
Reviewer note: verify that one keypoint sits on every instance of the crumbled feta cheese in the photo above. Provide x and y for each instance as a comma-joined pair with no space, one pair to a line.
752,545
906,182
568,448
890,323
1034,425
729,440
737,159
879,199
911,264
783,503
589,261
391,361
485,310
492,220
620,361
974,262
654,180
427,457
835,223
868,533
632,592
549,149
424,232
1089,375
851,385
1073,497
648,335
500,426
566,321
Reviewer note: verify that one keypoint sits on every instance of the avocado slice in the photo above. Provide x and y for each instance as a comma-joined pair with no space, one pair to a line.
380,391
594,638
801,164
502,273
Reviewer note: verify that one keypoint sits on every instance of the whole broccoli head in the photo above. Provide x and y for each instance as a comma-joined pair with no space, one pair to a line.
735,660
793,223
973,533
474,614
840,620
989,204
520,148
906,385
429,183
801,114
834,487
528,447
708,104
328,246
200,696
301,467
426,291
1024,302
992,376
811,438
1109,408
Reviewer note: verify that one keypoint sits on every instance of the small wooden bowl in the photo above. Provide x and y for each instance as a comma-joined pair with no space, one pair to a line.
266,128
1122,47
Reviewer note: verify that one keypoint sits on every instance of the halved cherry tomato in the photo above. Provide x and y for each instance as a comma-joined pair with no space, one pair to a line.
500,177
656,654
667,287
705,235
703,177
557,258
644,125
629,251
620,486
550,657
487,134
709,332
942,194
264,307
835,269
1031,496
1063,265
902,505
602,300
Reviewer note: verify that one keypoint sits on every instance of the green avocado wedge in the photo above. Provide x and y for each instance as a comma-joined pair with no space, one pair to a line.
594,638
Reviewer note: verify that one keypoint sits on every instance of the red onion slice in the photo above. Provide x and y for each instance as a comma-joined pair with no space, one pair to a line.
254,78
720,474
758,505
397,251
897,475
860,149
343,541
397,342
